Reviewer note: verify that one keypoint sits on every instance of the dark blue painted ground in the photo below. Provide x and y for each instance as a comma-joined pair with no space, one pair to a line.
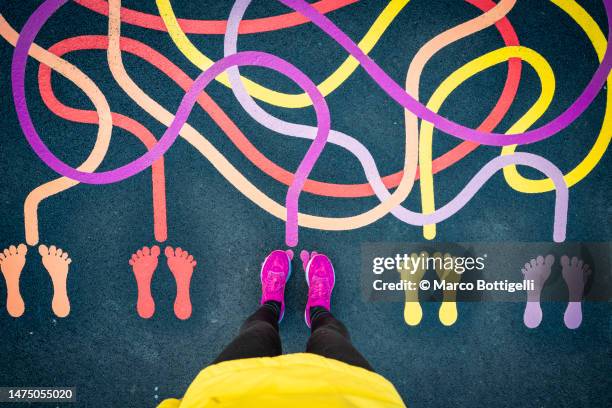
114,358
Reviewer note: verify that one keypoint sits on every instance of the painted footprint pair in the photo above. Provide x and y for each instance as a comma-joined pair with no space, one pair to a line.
181,264
413,313
56,262
575,273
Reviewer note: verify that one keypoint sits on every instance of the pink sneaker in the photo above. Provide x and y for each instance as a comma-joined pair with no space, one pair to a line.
320,278
275,272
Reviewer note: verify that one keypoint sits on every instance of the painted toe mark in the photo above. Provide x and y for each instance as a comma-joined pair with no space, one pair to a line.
304,257
549,260
289,253
564,260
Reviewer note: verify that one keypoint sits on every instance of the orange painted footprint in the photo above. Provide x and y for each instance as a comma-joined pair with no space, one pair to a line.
181,264
12,261
144,263
56,262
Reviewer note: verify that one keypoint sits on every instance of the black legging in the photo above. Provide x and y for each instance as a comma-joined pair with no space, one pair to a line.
259,337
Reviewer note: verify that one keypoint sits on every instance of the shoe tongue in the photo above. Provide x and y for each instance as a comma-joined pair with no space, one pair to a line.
320,272
277,266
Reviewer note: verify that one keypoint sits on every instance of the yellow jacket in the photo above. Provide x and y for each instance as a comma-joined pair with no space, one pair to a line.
291,380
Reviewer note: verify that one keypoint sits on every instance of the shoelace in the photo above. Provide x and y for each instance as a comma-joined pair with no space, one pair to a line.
275,282
319,288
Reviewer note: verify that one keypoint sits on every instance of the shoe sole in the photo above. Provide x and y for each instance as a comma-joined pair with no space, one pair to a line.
286,280
308,282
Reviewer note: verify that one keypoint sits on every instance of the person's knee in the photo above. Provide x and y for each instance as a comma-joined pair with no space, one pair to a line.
334,328
326,337
259,326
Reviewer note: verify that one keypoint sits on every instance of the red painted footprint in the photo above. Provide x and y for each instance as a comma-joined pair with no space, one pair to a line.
181,264
144,263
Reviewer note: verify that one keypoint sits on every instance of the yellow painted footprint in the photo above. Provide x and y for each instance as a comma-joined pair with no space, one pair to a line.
445,271
413,272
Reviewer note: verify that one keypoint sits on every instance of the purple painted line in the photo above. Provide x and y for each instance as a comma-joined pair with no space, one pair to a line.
20,57
486,138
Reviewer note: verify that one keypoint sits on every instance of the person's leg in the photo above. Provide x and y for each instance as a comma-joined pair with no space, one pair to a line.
259,336
329,337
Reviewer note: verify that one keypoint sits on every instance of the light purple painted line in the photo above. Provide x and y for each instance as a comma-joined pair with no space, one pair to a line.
367,161
397,93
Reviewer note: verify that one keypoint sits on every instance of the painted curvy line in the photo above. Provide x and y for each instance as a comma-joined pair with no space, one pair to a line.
39,17
411,137
388,85
191,135
413,77
158,178
258,25
594,156
233,132
104,118
356,190
263,117
237,179
494,14
440,163
331,83
547,81
48,8
247,58
148,54
47,190
141,50
514,179
231,174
